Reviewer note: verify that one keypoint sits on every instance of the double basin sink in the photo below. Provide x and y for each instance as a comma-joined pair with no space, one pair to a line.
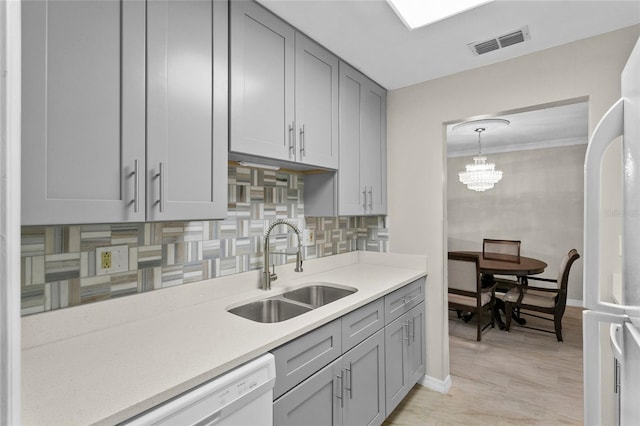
292,303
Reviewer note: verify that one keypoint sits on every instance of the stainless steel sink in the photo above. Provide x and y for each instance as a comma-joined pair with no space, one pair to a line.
318,294
270,310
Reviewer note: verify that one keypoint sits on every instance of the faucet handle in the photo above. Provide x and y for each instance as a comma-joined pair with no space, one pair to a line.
273,273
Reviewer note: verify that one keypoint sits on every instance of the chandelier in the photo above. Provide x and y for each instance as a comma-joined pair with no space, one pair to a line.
481,176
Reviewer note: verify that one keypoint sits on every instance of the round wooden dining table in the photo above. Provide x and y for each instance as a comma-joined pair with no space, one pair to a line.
506,265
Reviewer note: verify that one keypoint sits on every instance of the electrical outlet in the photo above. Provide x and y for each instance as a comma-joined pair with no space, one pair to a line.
105,261
112,259
308,237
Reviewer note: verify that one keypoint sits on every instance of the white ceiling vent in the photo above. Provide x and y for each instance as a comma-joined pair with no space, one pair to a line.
513,37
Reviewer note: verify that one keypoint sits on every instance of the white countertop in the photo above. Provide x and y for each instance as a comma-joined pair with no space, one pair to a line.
106,362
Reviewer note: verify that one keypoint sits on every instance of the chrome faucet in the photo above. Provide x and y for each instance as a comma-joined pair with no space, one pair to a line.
267,276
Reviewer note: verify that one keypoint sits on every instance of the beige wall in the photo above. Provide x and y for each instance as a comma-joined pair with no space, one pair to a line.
539,201
416,156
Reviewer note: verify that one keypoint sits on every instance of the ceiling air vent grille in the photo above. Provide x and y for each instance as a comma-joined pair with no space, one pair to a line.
509,39
486,46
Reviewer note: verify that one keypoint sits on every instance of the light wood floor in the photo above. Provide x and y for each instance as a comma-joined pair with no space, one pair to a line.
524,377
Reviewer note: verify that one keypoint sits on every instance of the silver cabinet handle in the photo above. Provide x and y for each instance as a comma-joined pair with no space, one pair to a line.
292,142
161,188
302,141
340,397
413,330
136,186
136,189
371,198
350,388
405,325
364,194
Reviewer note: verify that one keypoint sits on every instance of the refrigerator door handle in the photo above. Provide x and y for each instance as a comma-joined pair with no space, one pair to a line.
610,127
614,332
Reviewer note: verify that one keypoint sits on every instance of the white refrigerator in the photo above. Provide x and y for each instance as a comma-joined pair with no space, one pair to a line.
611,321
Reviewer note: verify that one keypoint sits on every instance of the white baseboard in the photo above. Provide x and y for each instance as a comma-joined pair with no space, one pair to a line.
575,302
437,385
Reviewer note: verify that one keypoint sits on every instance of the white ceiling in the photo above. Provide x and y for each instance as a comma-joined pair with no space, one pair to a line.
370,36
542,128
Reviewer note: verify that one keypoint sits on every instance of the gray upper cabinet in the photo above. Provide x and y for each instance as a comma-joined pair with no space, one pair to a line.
83,111
362,178
284,91
316,104
360,185
93,74
262,83
187,130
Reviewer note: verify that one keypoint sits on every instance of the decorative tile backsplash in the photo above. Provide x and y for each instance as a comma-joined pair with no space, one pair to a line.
58,263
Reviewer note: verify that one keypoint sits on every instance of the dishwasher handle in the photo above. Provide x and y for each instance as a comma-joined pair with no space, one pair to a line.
210,419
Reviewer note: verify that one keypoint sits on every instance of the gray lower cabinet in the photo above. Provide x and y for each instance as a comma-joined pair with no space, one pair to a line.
356,369
404,354
284,91
364,383
124,110
349,391
313,402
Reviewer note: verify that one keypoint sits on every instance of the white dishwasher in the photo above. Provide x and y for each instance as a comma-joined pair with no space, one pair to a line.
241,397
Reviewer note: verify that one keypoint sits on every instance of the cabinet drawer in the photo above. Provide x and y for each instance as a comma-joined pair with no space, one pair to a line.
362,323
300,358
403,299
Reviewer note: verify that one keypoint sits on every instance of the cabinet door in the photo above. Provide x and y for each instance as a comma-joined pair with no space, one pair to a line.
351,192
395,352
83,84
373,148
316,104
415,345
262,83
364,382
316,401
186,109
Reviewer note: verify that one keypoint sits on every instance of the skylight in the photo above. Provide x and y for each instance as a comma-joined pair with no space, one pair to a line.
418,13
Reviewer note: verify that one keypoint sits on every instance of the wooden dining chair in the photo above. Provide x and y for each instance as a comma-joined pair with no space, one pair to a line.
550,301
506,250
466,293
